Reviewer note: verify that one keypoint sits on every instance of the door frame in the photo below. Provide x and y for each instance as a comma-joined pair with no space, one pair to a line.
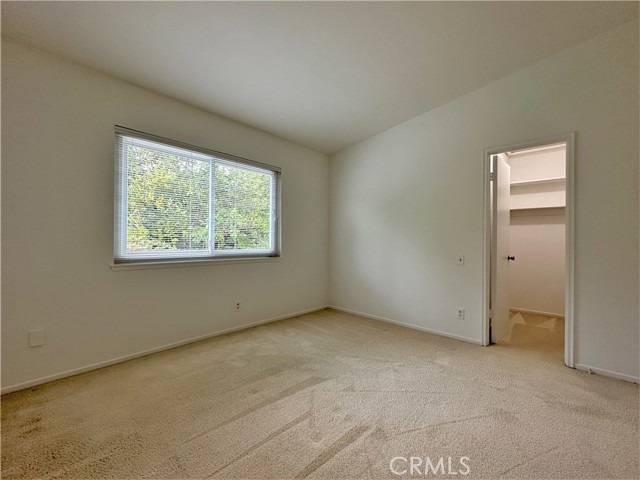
569,140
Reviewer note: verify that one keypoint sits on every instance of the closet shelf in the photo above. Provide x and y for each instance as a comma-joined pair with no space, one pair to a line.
538,182
551,210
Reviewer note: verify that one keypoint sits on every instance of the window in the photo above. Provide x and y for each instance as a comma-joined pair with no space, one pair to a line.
175,201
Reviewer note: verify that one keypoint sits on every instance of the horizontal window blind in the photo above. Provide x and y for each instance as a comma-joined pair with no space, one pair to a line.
176,201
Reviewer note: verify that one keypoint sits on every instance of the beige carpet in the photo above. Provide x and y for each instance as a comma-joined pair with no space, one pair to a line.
328,395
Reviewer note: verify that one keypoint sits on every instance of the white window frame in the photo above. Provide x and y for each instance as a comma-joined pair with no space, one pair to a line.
122,257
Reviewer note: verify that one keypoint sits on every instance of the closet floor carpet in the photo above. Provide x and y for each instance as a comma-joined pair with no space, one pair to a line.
327,395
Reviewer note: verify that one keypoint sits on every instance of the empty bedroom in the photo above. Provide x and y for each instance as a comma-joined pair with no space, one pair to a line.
278,240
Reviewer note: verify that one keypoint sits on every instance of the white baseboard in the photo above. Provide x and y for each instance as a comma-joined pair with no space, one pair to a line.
106,363
607,373
113,361
537,312
408,325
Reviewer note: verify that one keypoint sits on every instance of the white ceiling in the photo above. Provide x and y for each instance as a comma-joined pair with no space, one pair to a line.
321,74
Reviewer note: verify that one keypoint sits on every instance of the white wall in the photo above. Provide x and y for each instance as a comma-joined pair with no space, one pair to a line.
537,276
539,164
538,196
405,202
537,237
57,224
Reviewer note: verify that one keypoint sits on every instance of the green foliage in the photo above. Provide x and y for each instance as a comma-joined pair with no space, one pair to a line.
242,204
168,200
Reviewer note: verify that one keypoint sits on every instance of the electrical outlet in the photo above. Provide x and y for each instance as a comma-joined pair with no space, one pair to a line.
237,306
36,337
460,313
460,260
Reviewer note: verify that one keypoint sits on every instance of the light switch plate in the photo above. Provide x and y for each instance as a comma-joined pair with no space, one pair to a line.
460,260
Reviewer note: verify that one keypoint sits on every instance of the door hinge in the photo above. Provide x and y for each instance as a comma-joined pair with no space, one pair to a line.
490,314
491,176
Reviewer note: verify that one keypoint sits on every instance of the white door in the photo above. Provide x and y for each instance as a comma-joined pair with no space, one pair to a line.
501,213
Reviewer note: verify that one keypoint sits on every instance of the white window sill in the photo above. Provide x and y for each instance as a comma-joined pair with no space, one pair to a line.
191,262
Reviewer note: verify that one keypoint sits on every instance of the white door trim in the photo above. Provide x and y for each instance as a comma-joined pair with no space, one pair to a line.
569,140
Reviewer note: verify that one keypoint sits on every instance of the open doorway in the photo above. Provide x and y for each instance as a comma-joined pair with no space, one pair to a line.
529,246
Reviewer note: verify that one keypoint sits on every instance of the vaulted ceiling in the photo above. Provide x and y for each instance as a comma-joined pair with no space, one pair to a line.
322,74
